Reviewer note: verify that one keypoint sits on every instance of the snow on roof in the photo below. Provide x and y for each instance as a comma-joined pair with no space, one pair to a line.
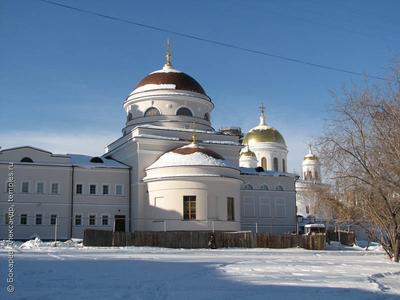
152,86
177,129
315,225
171,159
221,142
159,137
84,161
167,69
252,171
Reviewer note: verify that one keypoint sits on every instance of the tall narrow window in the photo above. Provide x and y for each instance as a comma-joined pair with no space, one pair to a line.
118,190
25,187
23,219
189,207
283,165
231,208
79,188
104,220
264,163
40,188
38,219
54,188
92,189
276,168
105,189
92,220
53,219
78,220
6,219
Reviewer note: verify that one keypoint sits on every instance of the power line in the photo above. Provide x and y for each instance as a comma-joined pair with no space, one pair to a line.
210,41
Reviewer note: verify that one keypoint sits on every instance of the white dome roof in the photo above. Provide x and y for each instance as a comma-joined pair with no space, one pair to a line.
190,155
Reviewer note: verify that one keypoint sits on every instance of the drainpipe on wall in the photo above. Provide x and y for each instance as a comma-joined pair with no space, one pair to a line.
129,203
72,201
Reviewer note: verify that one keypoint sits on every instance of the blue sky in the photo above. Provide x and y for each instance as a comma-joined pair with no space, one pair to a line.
64,75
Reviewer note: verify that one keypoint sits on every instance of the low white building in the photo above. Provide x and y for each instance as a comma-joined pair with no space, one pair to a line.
170,170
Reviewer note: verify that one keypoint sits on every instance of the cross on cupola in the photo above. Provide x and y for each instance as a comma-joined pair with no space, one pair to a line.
262,114
168,55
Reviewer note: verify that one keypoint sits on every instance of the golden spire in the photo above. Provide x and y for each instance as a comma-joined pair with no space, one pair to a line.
168,55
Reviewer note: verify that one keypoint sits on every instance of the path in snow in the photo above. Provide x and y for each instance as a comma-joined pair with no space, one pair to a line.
157,273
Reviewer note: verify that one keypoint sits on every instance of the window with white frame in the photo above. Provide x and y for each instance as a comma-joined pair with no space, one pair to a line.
25,187
118,190
54,188
23,219
38,219
104,220
92,189
105,189
78,220
40,188
53,219
79,189
92,220
231,208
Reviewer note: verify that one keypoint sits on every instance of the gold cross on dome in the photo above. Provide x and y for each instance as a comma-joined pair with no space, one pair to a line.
168,55
262,107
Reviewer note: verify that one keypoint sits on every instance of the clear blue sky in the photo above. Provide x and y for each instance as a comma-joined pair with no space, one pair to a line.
64,75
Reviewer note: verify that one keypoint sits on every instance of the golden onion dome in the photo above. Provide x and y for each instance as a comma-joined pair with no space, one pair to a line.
310,157
262,134
248,153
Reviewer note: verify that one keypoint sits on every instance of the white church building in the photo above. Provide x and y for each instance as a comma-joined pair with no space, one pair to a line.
170,170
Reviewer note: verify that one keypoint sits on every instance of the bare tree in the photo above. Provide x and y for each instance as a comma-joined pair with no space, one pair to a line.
360,151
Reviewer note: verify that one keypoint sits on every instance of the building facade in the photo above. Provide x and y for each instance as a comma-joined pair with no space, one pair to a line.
170,170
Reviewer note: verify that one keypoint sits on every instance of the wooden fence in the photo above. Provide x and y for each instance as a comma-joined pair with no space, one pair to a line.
202,239
344,237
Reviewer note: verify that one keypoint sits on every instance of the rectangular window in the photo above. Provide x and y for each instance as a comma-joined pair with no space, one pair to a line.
79,189
231,208
53,219
78,220
92,189
105,189
92,220
118,189
54,188
40,188
189,207
6,219
104,220
24,219
38,220
25,187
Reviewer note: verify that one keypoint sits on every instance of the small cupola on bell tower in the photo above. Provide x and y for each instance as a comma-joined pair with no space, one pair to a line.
311,167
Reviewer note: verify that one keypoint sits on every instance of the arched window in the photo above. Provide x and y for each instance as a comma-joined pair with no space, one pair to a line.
96,160
151,112
207,116
276,168
247,186
129,117
27,160
279,188
264,163
316,175
264,187
184,111
283,165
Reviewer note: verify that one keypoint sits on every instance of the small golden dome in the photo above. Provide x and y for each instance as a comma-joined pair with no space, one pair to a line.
261,135
310,157
248,153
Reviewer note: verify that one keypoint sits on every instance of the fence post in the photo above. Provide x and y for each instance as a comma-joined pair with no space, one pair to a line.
55,230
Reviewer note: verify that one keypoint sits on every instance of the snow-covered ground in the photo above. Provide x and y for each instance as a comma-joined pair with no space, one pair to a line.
70,271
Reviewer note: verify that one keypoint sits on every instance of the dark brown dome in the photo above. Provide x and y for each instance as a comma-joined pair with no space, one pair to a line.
193,148
181,81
